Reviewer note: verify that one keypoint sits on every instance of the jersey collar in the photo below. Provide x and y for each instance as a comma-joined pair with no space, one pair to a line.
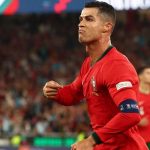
106,51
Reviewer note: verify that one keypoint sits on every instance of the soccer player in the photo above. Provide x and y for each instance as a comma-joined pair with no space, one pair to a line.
109,83
144,103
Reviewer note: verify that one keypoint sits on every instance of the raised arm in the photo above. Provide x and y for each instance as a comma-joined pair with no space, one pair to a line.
66,95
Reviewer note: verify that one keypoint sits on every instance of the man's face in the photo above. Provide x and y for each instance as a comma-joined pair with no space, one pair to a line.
91,25
145,76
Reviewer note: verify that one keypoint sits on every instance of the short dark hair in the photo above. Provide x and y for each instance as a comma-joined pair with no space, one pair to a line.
141,69
104,8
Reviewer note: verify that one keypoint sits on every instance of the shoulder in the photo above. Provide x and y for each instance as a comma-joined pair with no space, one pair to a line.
117,55
118,61
118,68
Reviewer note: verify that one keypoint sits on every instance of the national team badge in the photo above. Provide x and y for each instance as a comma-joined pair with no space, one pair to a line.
93,83
94,86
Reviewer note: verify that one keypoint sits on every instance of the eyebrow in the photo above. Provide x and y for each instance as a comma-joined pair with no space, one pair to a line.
88,16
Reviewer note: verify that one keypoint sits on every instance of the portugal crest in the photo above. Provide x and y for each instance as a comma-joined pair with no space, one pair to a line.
94,86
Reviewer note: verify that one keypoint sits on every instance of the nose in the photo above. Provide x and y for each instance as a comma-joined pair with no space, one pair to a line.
81,23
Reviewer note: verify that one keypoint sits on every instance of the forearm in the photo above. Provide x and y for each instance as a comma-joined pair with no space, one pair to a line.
67,96
120,123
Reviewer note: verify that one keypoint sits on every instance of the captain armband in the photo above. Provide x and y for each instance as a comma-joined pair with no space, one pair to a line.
129,106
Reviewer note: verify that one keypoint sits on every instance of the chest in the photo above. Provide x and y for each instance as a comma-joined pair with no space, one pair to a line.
92,81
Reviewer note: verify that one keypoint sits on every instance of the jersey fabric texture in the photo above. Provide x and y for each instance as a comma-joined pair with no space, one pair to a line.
105,85
144,103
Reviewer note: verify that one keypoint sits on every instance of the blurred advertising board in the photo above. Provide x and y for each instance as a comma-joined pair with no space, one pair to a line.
59,6
36,143
34,148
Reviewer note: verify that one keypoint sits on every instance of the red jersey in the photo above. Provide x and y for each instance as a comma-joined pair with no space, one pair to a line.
144,103
110,81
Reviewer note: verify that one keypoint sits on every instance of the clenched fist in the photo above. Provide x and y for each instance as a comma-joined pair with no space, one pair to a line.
50,89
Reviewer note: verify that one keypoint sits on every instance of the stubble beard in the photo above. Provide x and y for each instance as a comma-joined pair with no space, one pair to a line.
82,40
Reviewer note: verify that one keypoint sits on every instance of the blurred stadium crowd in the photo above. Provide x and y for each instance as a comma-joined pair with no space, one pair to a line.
38,48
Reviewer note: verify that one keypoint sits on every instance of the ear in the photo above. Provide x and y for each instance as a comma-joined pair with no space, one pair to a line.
108,27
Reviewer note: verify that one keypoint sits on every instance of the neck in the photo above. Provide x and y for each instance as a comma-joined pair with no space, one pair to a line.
144,88
97,48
